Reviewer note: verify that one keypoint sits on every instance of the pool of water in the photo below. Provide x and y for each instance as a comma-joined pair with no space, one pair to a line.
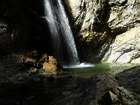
81,65
85,69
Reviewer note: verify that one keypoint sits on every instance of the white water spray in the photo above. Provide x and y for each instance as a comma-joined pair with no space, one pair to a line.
62,35
60,29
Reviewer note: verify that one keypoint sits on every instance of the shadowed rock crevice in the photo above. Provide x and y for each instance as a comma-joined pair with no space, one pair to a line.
98,23
90,18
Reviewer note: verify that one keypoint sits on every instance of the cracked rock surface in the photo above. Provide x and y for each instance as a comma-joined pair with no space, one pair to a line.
101,23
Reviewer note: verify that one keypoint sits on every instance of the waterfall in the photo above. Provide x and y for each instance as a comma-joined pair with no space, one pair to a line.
62,37
52,23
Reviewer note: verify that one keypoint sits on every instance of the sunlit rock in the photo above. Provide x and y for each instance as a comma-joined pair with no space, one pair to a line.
50,66
125,48
89,19
99,22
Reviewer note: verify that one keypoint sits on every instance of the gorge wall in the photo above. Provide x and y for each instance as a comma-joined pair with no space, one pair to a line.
106,30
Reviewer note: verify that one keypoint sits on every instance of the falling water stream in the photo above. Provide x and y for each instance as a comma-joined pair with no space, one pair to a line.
62,37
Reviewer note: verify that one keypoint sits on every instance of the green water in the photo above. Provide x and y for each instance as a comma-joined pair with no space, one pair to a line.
98,68
89,71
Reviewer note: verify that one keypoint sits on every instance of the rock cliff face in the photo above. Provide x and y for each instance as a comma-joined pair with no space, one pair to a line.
90,23
125,24
100,22
126,48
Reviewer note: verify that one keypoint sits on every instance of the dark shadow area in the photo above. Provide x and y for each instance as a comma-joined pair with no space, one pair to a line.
41,90
27,29
130,79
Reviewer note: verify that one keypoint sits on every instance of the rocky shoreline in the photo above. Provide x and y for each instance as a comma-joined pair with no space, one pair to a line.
19,85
